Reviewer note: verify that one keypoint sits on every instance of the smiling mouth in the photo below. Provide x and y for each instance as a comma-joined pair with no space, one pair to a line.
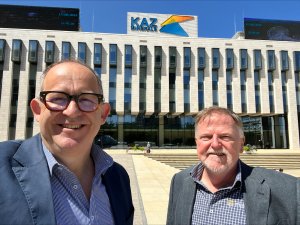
71,126
217,153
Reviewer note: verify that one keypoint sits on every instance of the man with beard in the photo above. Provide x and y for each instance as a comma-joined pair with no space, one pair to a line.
221,189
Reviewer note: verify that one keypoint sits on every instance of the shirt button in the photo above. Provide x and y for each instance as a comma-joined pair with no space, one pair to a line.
211,211
92,218
75,186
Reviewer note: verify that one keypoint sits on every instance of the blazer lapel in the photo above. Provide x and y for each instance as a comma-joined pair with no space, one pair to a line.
31,170
256,196
185,202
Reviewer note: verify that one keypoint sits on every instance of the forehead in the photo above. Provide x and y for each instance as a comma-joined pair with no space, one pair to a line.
217,120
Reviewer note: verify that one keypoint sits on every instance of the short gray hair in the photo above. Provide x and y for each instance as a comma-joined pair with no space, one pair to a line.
207,112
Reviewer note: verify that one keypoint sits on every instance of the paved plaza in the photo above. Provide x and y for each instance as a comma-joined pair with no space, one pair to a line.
150,183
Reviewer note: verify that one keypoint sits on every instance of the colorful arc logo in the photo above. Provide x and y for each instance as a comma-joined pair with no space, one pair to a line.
171,25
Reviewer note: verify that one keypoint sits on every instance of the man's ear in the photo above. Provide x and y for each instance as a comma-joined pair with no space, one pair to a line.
242,144
105,110
35,108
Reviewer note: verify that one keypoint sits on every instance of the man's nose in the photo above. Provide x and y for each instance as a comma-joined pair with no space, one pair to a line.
215,142
72,109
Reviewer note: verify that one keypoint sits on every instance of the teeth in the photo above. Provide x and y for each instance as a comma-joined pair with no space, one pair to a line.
71,126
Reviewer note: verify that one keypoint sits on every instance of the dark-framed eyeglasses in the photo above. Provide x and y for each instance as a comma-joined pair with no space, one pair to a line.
59,101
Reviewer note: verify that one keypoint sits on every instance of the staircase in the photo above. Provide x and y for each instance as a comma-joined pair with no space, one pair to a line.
276,161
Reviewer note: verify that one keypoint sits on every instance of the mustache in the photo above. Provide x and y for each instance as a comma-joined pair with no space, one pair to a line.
217,152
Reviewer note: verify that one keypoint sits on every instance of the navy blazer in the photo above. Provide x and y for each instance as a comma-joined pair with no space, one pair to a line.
270,197
25,188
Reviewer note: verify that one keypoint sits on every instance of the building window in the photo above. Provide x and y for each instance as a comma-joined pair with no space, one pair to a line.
229,89
200,89
215,81
66,50
243,91
271,60
127,90
284,89
243,59
97,54
297,60
229,59
257,60
284,60
186,87
82,52
215,58
257,90
128,56
172,57
201,58
158,56
33,51
16,51
271,92
187,57
143,56
49,52
2,49
113,55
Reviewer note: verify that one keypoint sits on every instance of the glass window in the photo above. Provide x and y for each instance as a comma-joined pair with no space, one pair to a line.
16,50
229,59
97,54
158,55
66,50
128,55
172,55
200,89
143,55
82,52
257,59
187,57
49,52
112,54
201,58
271,60
284,60
297,60
215,58
243,59
2,49
33,51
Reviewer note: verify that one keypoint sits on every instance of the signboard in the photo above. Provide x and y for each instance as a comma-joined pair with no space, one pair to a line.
280,30
162,24
32,17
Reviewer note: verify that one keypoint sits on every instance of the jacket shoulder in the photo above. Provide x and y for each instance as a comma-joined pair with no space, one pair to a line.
8,149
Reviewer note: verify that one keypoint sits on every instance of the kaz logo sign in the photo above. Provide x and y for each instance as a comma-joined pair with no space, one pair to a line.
170,26
144,24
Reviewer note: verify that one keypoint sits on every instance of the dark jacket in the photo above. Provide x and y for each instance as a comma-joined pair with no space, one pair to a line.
25,188
270,197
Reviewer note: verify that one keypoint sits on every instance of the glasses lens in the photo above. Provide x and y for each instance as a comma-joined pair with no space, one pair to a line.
88,102
56,101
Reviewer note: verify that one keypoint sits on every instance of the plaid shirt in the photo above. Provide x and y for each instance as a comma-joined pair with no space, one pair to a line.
70,203
226,206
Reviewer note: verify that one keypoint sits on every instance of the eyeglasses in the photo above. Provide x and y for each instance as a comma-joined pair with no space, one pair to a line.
59,101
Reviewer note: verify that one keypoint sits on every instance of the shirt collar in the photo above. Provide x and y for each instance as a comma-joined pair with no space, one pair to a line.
101,159
197,171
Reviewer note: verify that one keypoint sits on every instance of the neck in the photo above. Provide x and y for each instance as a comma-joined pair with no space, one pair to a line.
215,181
83,168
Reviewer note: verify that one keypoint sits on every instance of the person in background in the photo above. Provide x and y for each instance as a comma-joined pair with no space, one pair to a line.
148,147
59,176
221,189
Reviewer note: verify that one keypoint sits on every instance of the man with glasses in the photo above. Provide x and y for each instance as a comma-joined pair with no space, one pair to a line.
59,176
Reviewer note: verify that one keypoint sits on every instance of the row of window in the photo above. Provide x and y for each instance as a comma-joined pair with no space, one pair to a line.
113,53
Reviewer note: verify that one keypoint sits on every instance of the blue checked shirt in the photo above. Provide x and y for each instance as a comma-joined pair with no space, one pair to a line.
226,206
70,203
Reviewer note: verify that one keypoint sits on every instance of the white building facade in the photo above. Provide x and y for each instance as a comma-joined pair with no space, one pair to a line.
156,84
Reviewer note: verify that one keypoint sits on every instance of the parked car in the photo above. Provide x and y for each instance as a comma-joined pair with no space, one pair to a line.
105,141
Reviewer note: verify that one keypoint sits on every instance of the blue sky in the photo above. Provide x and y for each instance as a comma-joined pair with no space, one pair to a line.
216,19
